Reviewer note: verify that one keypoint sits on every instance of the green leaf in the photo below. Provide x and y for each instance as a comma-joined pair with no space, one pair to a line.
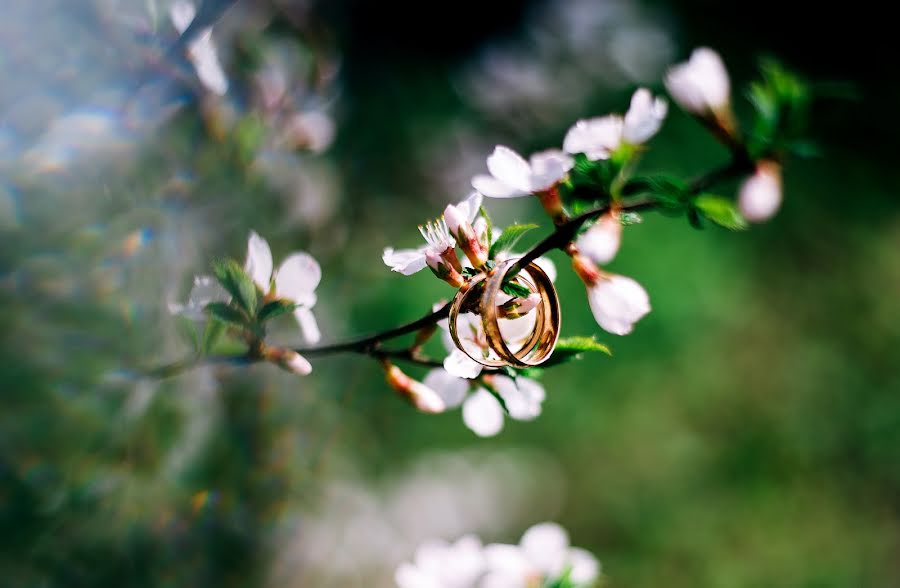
274,308
187,328
721,211
490,225
237,283
508,238
572,348
516,290
214,330
226,313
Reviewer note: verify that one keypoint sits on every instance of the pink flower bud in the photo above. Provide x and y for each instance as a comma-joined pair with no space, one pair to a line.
601,241
288,360
465,236
418,394
759,197
443,270
585,268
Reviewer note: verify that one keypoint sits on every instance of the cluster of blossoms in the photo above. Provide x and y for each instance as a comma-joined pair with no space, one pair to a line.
543,557
593,170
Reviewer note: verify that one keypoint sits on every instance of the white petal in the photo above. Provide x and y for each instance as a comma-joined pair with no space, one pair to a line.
182,13
297,277
298,364
409,576
205,59
494,188
546,264
546,546
308,325
205,290
759,197
259,261
405,261
548,167
523,396
461,365
700,84
450,388
507,558
597,138
585,567
482,414
510,168
644,117
469,207
601,241
617,303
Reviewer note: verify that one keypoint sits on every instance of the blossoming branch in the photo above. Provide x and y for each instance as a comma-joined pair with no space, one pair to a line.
501,328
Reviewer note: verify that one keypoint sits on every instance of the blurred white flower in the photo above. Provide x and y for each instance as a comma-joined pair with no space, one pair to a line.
313,130
512,176
437,237
617,303
295,279
700,85
644,117
543,556
439,564
601,241
205,290
759,197
596,137
201,51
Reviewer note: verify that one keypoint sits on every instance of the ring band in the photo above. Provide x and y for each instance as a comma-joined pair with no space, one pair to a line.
480,298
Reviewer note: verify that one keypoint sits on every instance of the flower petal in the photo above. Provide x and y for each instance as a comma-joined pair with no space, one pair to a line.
546,546
617,303
523,396
584,566
482,414
548,167
546,264
510,168
644,117
450,388
597,137
494,188
601,241
700,84
461,365
469,207
405,261
297,277
308,325
759,197
259,261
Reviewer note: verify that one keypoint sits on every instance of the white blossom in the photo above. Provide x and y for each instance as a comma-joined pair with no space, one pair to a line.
512,176
205,290
439,564
596,137
700,85
437,238
296,363
295,280
601,241
542,556
201,51
644,117
759,197
617,303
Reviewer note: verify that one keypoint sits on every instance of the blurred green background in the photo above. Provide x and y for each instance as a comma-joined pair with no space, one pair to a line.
746,434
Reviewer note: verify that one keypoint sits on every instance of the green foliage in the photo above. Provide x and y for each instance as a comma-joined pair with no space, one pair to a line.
237,283
720,210
782,102
671,193
226,313
509,237
490,225
589,180
572,348
274,308
515,289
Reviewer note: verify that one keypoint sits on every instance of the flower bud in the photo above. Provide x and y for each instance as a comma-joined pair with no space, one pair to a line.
481,231
701,87
584,267
601,241
443,270
418,394
759,197
465,236
617,302
288,360
552,204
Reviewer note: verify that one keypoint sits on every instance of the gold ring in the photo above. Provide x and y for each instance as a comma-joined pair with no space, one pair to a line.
490,345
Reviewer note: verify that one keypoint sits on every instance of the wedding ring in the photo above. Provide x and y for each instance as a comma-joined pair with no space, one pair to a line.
478,330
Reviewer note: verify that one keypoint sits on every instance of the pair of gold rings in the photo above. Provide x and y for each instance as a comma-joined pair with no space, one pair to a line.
478,329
